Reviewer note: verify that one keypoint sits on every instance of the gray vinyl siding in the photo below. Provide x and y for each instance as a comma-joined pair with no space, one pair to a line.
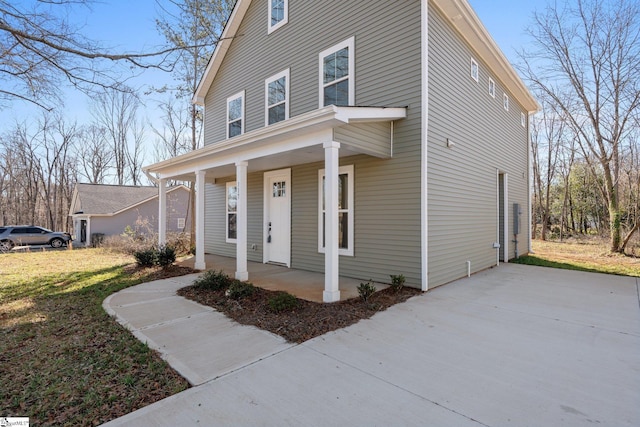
462,180
388,73
373,137
215,209
386,35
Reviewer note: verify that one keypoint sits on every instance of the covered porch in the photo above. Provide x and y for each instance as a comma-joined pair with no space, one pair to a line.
306,285
323,135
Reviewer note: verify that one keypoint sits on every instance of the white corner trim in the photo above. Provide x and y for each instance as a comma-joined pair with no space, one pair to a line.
424,133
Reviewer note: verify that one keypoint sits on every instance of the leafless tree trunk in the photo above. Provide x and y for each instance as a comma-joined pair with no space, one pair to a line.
587,61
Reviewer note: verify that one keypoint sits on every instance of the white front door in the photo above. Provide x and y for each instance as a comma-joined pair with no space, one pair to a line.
277,217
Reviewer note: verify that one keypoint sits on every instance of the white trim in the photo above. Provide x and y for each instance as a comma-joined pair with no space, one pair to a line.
350,45
505,101
331,255
285,19
475,70
200,262
162,212
265,209
297,132
342,170
506,218
271,79
523,120
242,115
242,273
227,212
424,133
492,88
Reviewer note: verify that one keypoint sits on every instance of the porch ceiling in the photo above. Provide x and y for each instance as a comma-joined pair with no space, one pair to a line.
295,141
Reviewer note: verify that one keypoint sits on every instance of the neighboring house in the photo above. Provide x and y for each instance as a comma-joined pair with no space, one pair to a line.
108,210
408,106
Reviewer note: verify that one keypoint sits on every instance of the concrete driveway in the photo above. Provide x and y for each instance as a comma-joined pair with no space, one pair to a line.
511,346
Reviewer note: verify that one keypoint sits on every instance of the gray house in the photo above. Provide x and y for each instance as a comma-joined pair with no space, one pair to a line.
403,116
109,209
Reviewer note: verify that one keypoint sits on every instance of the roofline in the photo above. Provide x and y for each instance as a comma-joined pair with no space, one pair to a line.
328,116
169,190
460,15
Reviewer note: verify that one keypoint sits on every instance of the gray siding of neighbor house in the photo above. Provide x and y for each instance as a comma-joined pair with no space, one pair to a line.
144,217
462,180
387,73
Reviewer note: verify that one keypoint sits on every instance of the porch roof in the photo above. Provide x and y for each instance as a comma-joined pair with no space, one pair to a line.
294,141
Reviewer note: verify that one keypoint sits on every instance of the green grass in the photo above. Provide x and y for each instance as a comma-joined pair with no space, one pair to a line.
583,255
63,360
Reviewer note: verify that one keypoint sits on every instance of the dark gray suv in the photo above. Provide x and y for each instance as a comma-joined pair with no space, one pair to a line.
22,235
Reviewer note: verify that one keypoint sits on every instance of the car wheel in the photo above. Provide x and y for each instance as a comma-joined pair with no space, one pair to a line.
56,243
6,245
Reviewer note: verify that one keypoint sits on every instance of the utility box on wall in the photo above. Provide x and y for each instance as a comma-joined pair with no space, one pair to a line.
516,218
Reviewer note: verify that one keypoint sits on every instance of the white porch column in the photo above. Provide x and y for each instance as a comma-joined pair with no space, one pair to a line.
331,258
162,212
200,263
241,222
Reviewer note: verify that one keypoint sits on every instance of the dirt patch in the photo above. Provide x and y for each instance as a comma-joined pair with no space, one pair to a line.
307,320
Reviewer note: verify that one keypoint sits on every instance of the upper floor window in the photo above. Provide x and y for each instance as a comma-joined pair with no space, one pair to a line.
337,74
277,98
523,120
475,73
278,14
235,115
492,88
505,102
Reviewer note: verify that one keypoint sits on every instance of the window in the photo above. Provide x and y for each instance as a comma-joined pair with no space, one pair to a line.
277,98
180,223
231,211
235,115
505,102
345,210
337,75
492,88
278,14
523,120
474,70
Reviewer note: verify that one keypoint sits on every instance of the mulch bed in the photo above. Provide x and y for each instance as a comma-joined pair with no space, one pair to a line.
307,320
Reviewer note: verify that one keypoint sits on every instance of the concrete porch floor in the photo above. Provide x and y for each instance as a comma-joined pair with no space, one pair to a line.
306,285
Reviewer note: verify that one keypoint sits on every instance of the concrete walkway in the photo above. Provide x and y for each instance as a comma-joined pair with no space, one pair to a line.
511,346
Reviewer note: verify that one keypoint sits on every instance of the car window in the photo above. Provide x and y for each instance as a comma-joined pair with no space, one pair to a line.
2,230
36,230
19,230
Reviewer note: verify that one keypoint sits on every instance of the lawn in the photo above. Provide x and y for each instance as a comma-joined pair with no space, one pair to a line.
63,360
585,254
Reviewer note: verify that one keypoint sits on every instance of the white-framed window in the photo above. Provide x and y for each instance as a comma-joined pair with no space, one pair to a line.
492,88
276,98
231,212
475,72
235,115
345,210
505,102
337,74
523,120
278,14
181,223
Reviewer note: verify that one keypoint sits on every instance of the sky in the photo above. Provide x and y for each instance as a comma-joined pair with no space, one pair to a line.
130,26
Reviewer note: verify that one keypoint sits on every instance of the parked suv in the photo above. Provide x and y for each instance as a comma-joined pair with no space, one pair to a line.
12,235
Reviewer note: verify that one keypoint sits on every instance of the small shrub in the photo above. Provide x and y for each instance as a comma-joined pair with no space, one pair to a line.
213,280
365,290
238,290
397,282
165,256
145,257
282,301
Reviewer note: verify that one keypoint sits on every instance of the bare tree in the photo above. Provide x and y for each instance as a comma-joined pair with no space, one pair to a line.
587,61
173,138
94,154
41,50
116,112
195,30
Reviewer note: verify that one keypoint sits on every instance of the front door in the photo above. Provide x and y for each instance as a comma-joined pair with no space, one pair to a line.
277,217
